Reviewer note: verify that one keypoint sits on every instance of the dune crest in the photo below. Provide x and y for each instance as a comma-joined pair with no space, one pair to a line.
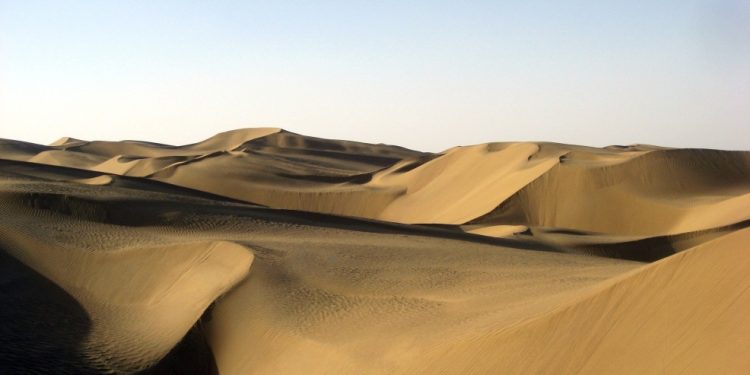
140,301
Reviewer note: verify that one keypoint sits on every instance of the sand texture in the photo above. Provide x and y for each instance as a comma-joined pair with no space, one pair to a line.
261,251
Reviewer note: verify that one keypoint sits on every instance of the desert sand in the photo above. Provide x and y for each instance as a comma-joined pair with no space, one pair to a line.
262,251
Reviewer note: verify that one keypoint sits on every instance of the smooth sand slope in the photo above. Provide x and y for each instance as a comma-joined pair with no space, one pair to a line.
514,258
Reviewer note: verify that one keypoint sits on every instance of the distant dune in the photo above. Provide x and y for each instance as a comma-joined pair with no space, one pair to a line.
261,251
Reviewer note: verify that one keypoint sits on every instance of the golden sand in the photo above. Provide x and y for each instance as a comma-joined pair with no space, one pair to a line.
261,251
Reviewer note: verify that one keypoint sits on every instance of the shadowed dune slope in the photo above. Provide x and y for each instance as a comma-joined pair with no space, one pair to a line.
29,336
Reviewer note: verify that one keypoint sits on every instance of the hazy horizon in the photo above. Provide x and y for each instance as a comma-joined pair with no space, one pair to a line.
423,75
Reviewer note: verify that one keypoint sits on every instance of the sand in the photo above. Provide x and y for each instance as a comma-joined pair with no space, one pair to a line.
261,251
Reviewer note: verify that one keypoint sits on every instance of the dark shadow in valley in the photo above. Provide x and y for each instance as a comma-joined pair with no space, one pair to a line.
191,356
42,327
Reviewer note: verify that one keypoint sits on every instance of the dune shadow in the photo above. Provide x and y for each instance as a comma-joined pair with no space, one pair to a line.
654,248
191,356
42,327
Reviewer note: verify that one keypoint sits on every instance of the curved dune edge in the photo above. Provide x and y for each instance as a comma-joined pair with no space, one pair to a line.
98,180
638,248
142,301
684,314
468,182
494,230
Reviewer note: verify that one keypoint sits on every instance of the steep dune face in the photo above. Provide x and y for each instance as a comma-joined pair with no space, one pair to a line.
654,193
514,258
465,181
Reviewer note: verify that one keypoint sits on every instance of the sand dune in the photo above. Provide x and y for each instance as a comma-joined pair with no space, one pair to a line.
659,192
261,251
638,190
140,301
685,314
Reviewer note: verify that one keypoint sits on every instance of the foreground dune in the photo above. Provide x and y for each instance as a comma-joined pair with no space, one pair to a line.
260,251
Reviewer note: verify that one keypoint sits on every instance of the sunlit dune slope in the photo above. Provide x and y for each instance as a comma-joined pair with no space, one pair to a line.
686,314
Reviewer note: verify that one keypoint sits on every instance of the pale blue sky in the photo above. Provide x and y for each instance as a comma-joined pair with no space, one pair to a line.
422,74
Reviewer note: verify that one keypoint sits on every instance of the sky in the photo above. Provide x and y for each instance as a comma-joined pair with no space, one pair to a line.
426,75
